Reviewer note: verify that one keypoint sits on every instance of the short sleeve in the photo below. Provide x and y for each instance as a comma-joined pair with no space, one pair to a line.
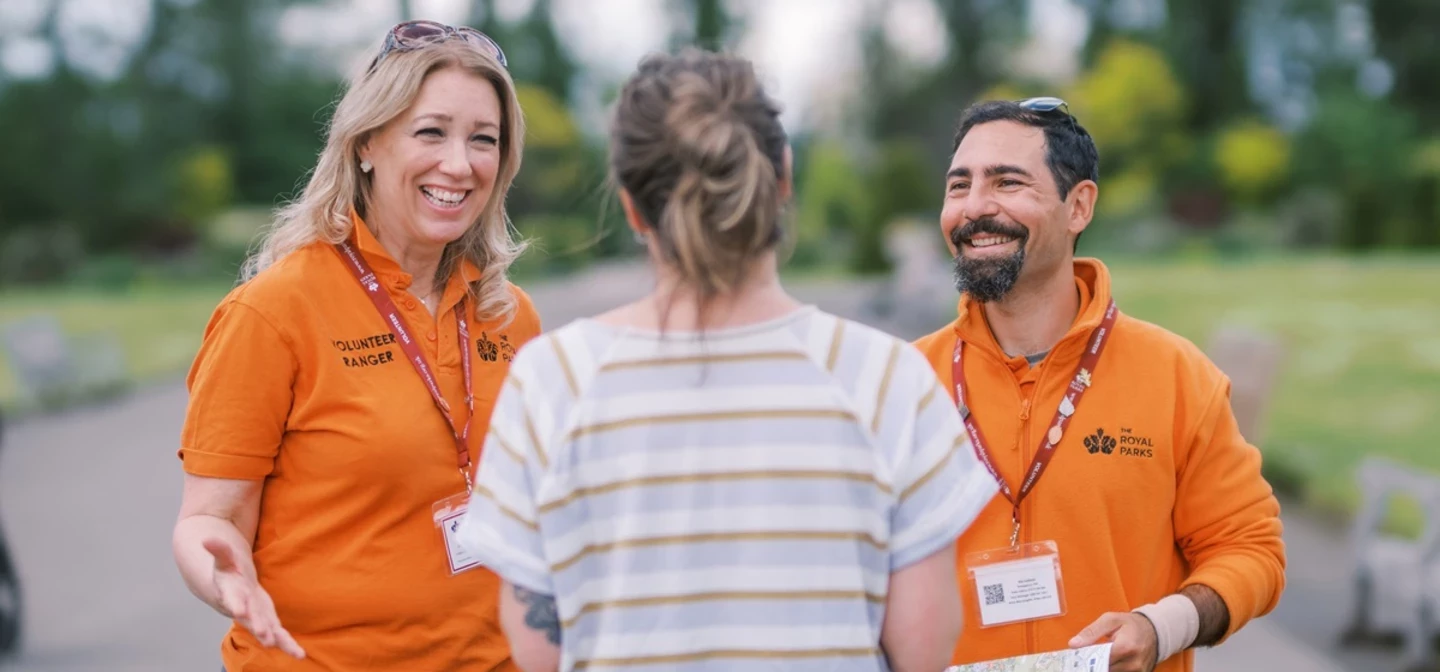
940,485
241,388
501,526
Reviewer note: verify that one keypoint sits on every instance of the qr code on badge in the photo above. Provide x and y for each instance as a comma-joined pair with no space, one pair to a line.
994,594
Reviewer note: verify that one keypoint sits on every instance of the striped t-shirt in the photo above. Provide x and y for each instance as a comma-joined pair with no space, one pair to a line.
736,500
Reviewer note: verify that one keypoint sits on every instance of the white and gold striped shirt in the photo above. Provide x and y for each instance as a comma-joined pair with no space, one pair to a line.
736,500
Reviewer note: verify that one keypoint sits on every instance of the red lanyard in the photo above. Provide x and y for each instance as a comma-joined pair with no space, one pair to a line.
1078,385
386,307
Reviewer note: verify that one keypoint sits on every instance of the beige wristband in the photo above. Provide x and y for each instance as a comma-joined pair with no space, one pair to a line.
1177,623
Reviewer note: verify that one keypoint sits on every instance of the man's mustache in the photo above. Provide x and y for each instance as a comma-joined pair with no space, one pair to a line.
988,225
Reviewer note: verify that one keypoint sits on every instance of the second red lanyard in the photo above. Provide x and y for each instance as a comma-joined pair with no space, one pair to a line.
1056,429
387,309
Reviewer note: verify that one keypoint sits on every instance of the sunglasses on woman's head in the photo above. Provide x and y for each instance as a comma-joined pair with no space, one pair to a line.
412,35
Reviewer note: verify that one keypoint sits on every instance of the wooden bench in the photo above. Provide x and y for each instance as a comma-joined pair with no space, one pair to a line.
1397,580
1251,359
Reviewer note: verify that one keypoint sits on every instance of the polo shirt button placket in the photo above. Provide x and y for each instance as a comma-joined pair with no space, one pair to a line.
399,284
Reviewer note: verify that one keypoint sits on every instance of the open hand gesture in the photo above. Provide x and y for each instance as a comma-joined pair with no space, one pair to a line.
242,598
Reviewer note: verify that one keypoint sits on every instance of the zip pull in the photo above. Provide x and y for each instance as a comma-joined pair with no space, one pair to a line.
1025,410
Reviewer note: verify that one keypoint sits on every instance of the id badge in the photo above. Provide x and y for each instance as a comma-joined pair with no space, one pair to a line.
1018,584
448,513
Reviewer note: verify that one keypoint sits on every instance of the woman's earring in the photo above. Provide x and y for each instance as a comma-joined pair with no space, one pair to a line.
365,166
641,239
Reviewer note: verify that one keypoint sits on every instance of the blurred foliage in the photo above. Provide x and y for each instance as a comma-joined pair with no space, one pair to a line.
203,184
548,124
835,203
560,243
1253,159
1362,149
708,24
901,183
1127,194
37,254
1130,102
1199,148
1404,35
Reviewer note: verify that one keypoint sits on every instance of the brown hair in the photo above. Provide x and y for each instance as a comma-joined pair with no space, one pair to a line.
336,185
699,147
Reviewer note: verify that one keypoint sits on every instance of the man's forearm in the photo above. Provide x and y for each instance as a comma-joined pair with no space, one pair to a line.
1196,616
1214,614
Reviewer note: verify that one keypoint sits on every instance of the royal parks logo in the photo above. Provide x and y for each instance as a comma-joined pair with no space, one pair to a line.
1127,443
491,351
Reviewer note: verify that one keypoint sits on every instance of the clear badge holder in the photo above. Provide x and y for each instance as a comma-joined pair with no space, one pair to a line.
1017,584
448,513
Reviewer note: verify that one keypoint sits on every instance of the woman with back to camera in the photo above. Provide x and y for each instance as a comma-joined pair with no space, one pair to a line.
717,476
337,394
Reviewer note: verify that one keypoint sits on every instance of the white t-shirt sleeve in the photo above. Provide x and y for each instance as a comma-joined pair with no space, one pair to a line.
940,486
502,525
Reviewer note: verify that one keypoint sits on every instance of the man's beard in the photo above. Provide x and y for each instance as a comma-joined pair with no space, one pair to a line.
987,279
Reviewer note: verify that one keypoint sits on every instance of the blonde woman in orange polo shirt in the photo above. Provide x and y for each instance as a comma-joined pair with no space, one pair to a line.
341,390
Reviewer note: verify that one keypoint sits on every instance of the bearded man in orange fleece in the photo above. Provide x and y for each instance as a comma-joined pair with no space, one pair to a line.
1132,512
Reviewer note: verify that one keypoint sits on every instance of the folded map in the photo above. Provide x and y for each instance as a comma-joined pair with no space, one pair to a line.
1089,659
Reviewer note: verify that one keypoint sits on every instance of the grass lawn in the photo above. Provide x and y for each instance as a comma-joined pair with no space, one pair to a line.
1362,368
158,327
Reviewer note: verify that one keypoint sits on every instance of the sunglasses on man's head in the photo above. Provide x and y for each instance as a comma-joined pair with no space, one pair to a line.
1043,104
412,35
1047,104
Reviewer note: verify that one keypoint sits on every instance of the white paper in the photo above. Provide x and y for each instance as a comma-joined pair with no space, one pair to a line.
1019,590
460,558
1089,659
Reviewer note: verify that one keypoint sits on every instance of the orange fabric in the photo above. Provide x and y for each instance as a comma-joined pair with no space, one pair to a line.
300,383
1173,496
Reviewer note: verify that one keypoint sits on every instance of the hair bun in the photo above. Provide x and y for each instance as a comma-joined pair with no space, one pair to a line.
700,148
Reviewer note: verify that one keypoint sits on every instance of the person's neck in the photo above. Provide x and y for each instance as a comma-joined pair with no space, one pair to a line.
675,305
1033,318
418,260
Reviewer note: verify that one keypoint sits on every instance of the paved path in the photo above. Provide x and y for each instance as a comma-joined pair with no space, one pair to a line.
88,500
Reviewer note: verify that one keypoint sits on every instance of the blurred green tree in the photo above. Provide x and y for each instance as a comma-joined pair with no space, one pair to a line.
833,203
1405,36
1363,149
708,24
1253,159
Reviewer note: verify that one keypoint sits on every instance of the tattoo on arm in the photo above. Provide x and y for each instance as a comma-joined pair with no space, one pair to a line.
1214,615
540,613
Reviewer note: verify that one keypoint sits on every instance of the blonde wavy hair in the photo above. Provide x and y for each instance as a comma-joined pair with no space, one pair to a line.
336,185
